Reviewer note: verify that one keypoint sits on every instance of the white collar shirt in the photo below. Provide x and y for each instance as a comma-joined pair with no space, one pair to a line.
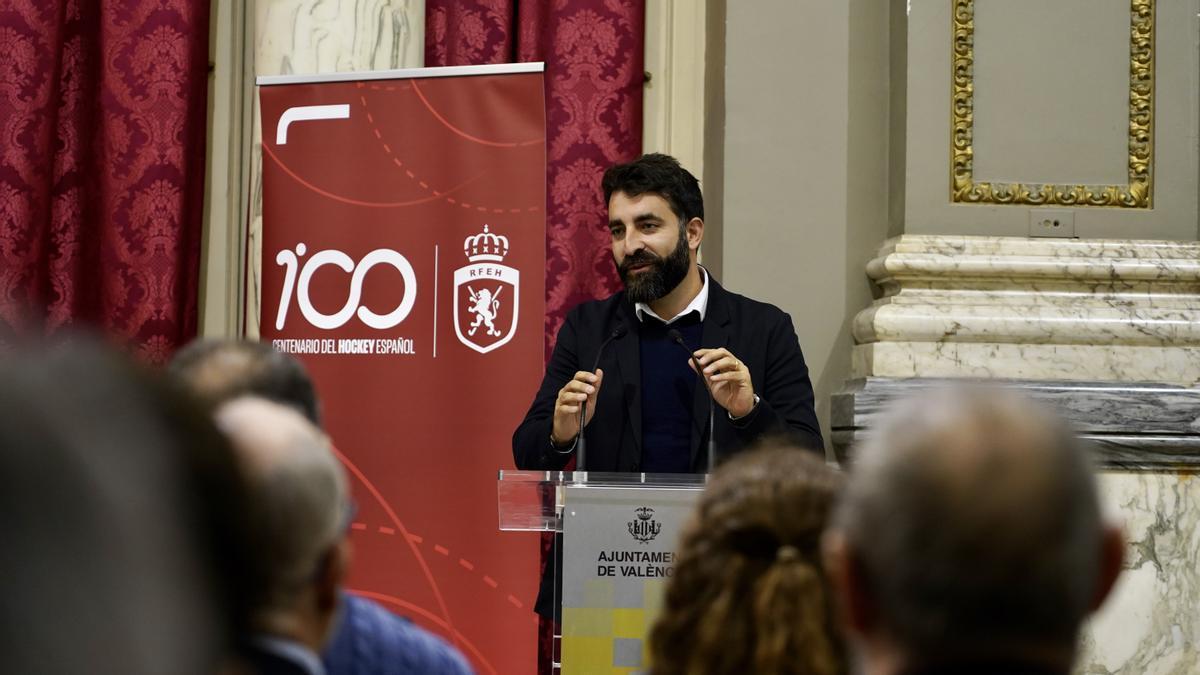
698,304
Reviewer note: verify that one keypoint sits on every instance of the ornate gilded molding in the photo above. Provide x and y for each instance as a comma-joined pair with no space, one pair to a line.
1137,194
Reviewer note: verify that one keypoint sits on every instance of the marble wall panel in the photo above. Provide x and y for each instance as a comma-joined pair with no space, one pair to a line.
1150,623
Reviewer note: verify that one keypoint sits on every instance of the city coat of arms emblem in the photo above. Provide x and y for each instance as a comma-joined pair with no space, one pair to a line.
644,528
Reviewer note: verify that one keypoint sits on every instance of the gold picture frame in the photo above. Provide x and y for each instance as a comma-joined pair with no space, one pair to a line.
1136,194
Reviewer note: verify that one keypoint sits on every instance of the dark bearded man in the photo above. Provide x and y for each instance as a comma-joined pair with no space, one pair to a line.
646,411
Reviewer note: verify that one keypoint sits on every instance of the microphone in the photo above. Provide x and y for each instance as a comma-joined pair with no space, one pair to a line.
580,440
712,441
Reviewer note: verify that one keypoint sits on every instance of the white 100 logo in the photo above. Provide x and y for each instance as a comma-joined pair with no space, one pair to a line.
291,263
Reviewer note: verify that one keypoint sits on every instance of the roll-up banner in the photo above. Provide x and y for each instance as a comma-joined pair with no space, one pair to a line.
403,261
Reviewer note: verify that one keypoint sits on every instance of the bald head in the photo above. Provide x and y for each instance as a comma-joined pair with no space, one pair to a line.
298,490
972,518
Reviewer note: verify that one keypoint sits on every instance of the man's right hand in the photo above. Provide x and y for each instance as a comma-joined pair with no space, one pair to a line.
583,387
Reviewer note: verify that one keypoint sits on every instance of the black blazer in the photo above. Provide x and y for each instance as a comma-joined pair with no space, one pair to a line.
759,334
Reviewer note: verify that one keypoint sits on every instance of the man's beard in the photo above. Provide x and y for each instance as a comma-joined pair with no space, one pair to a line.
660,278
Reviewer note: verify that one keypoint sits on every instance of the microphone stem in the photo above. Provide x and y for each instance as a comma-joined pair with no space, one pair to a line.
581,441
712,441
712,437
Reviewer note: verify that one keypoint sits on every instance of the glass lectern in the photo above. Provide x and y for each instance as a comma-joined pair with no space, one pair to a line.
619,533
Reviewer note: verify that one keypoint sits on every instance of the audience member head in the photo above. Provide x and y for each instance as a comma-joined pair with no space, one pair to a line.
221,370
970,534
300,511
120,511
748,593
661,175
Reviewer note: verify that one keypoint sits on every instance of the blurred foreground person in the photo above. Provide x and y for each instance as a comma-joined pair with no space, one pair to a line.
120,517
748,594
367,639
970,539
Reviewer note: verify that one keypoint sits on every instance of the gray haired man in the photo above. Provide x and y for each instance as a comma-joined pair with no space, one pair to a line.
970,539
300,510
368,639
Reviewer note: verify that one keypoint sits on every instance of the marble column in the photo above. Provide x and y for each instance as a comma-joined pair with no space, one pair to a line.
1108,331
297,37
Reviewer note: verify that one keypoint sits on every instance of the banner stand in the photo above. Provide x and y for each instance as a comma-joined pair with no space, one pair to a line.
403,246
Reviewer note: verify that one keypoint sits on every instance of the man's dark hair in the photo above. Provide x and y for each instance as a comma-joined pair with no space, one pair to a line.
661,175
974,518
222,370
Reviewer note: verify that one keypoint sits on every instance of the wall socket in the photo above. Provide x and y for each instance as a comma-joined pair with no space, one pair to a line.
1051,223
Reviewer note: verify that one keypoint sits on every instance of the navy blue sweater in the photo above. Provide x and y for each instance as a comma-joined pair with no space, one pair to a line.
668,387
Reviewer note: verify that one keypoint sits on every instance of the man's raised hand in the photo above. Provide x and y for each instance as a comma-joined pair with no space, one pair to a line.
729,380
583,387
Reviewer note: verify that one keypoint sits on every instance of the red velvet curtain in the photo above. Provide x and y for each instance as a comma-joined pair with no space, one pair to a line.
103,109
594,74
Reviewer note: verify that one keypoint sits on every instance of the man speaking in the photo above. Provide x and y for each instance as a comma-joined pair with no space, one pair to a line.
629,362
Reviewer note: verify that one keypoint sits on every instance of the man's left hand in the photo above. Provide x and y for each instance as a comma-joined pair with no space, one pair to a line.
729,379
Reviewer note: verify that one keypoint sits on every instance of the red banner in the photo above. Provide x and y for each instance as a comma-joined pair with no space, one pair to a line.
403,247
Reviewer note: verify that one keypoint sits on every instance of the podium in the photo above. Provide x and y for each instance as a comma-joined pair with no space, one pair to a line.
619,537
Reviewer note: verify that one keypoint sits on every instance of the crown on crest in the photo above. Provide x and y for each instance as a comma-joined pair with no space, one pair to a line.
485,246
645,513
